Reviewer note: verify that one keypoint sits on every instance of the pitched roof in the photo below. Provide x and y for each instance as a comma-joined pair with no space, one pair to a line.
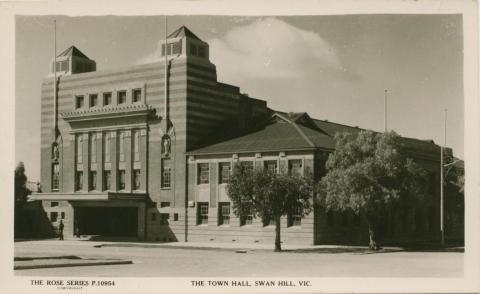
73,51
294,131
183,31
278,134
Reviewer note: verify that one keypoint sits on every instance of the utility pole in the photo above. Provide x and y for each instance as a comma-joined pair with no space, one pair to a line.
55,80
442,225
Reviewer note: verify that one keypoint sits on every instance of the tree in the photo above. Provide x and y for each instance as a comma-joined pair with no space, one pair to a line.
368,173
20,193
268,195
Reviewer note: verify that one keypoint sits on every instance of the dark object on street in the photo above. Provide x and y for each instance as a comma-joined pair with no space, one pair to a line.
60,230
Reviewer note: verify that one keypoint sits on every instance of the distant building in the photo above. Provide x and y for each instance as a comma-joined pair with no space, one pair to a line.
121,158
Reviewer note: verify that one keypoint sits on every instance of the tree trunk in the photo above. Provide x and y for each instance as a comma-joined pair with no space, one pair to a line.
373,238
278,246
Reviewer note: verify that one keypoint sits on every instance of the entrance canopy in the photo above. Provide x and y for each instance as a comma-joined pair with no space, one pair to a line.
100,196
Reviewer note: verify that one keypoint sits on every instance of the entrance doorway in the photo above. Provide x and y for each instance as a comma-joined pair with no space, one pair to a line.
107,221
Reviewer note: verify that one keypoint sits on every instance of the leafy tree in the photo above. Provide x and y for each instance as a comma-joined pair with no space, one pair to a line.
368,173
21,190
20,193
268,195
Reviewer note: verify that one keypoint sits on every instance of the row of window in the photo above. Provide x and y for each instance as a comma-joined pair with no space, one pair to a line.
203,169
93,99
223,217
176,48
107,180
106,146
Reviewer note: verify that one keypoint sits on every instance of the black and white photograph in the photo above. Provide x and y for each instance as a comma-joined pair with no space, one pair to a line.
243,151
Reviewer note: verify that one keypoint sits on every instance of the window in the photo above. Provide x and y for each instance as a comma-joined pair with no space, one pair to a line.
166,173
55,176
107,179
224,214
271,165
79,147
93,100
295,167
53,216
93,180
224,172
62,215
294,219
79,102
164,204
136,95
122,97
193,49
201,51
202,213
106,147
246,219
121,179
175,216
203,173
79,181
247,164
122,146
107,99
177,48
136,179
268,221
164,218
136,147
53,204
154,216
93,147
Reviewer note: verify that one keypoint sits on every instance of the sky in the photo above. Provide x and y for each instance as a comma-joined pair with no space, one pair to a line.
333,67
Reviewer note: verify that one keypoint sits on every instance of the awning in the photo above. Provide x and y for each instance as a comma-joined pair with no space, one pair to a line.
95,196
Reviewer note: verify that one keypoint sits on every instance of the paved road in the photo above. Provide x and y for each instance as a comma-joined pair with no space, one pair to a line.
166,262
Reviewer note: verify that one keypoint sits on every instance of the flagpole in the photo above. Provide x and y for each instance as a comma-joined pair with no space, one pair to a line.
166,76
55,80
385,110
442,224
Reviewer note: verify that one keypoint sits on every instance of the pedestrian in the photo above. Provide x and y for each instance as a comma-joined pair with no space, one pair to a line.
60,230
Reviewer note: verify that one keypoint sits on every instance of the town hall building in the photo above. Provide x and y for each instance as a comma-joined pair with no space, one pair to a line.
145,153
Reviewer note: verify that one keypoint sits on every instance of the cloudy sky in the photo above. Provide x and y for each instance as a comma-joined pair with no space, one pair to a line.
333,67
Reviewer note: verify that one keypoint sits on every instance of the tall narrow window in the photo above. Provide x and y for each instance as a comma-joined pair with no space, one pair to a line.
202,213
79,102
106,147
122,97
224,214
295,167
203,173
107,99
294,219
136,95
121,179
55,177
136,179
93,180
166,173
79,147
79,181
93,100
224,172
246,219
93,147
107,179
136,147
271,166
122,146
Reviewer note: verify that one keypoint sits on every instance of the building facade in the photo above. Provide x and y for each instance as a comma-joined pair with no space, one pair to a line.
144,152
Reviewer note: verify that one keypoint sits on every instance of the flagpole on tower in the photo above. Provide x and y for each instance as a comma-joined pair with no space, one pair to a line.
55,80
